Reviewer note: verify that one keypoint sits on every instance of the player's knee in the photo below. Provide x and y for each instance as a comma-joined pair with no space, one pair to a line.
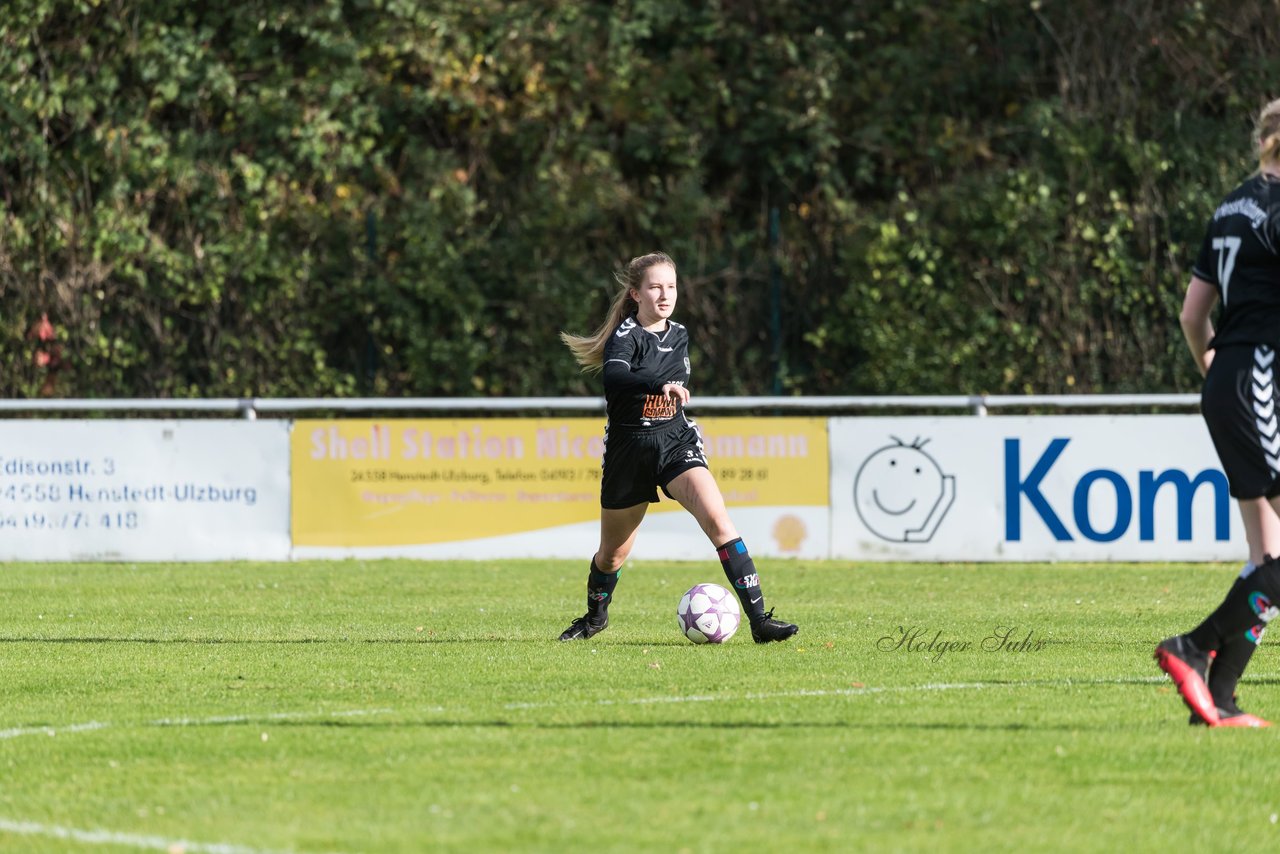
611,561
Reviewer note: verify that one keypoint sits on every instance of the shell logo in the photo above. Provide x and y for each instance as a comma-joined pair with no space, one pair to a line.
789,532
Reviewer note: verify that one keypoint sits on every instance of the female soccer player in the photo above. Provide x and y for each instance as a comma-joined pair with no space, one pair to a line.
649,443
1239,264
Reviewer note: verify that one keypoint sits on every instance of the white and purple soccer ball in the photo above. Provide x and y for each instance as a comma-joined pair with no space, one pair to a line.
708,613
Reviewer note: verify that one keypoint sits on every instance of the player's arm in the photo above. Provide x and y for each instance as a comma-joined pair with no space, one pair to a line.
1197,328
622,376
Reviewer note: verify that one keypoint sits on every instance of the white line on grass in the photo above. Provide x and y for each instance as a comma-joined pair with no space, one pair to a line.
277,716
636,701
110,837
844,692
181,722
44,730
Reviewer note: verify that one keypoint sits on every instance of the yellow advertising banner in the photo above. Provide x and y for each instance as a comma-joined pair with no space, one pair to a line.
405,482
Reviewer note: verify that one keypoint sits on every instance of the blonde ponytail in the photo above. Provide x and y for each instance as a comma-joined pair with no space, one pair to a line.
588,350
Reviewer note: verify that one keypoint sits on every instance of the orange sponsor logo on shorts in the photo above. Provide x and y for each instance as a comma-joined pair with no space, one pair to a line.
658,407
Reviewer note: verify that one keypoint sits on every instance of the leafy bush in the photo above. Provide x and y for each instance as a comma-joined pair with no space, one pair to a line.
390,198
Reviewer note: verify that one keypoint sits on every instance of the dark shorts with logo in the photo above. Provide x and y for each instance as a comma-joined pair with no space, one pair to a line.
636,463
1238,402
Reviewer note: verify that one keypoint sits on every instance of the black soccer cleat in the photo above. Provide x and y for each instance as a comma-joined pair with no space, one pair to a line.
583,628
767,629
1188,666
1230,714
1229,718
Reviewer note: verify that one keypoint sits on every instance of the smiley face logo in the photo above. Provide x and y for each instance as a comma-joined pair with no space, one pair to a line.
901,494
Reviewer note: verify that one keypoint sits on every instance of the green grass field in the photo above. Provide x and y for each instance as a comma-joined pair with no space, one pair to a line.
426,706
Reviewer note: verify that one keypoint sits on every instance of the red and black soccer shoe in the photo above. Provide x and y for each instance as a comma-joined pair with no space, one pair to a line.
1187,666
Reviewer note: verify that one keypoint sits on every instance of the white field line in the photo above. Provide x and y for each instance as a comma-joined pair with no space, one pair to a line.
277,716
110,837
846,692
44,730
635,701
181,722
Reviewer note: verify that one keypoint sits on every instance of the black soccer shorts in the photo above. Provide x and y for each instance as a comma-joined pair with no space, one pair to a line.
1238,402
636,463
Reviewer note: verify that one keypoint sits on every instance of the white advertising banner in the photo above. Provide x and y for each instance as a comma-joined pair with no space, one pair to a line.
144,490
1086,488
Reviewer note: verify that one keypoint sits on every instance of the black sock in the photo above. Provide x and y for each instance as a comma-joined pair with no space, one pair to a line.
600,587
740,569
1232,658
1228,666
1248,603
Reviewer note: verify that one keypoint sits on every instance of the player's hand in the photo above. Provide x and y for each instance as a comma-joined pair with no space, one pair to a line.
675,391
1206,362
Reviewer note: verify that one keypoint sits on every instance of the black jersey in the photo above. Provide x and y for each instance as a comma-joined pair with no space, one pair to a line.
1239,256
637,364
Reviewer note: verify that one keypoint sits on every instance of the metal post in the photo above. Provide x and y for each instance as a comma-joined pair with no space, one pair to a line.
370,372
775,299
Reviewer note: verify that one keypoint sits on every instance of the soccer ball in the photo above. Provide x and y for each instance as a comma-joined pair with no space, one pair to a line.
708,614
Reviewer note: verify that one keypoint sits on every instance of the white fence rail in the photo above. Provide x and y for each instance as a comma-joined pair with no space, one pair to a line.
252,407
